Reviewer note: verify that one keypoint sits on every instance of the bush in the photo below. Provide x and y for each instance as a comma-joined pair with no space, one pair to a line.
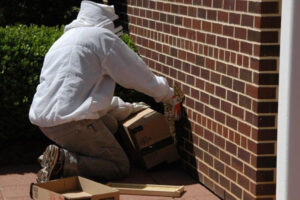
45,12
22,51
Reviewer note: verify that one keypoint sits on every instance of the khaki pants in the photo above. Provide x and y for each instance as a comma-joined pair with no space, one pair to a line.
90,148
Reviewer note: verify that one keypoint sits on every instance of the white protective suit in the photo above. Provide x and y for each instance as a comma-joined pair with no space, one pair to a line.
81,68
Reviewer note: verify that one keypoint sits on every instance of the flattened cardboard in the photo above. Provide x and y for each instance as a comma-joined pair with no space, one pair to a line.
148,138
73,188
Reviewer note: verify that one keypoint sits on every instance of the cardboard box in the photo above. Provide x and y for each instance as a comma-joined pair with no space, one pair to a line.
148,139
73,188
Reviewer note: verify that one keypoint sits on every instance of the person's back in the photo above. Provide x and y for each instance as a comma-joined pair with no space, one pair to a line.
72,76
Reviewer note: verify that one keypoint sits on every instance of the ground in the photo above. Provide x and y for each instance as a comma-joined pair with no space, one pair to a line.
15,182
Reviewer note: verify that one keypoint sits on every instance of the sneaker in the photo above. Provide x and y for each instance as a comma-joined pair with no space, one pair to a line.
52,163
40,158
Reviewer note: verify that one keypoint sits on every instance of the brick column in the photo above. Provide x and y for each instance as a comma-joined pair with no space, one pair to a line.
224,55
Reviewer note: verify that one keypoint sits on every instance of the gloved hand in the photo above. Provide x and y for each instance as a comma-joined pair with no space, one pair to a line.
173,105
172,110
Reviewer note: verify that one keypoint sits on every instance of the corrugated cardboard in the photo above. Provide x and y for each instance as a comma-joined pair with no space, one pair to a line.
149,139
73,188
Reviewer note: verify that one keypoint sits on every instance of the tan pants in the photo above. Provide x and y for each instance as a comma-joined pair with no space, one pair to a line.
90,148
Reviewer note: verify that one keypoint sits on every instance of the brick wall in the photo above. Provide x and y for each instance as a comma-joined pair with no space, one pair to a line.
224,55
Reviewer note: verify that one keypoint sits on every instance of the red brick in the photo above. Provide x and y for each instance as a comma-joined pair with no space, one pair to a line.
266,93
266,161
191,57
211,14
209,112
247,20
204,97
208,183
266,148
265,175
265,134
217,3
206,26
207,3
220,141
230,147
241,5
225,182
213,174
219,191
174,8
217,28
222,42
240,33
183,10
208,159
239,86
243,181
229,4
233,45
246,75
244,155
244,129
236,164
234,18
246,48
197,2
230,173
226,81
232,97
203,168
231,122
263,7
223,16
250,172
221,92
211,39
270,22
228,30
213,150
202,13
236,190
187,22
203,144
210,64
216,78
238,112
265,189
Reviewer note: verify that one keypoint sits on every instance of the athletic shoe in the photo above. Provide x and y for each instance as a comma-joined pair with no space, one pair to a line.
52,164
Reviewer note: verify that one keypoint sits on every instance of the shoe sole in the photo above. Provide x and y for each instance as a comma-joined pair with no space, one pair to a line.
50,158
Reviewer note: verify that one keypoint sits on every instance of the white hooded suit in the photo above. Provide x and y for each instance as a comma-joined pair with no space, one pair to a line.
81,68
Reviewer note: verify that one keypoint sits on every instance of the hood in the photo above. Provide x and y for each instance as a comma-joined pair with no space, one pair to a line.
92,14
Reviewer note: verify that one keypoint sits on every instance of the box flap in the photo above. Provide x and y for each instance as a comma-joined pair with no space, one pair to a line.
61,185
135,118
95,188
76,195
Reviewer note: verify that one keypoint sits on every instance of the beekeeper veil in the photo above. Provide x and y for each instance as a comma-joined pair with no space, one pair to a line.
93,14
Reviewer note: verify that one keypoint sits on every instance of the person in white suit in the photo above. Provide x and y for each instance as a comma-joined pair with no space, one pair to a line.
74,104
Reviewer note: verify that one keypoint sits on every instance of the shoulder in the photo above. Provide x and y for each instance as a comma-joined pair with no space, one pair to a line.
97,32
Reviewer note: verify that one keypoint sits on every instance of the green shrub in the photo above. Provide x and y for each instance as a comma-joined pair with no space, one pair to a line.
22,51
45,12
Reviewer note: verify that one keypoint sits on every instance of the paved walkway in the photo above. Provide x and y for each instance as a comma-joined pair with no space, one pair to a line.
15,182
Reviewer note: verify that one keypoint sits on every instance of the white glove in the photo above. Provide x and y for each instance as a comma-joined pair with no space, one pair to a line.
138,106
